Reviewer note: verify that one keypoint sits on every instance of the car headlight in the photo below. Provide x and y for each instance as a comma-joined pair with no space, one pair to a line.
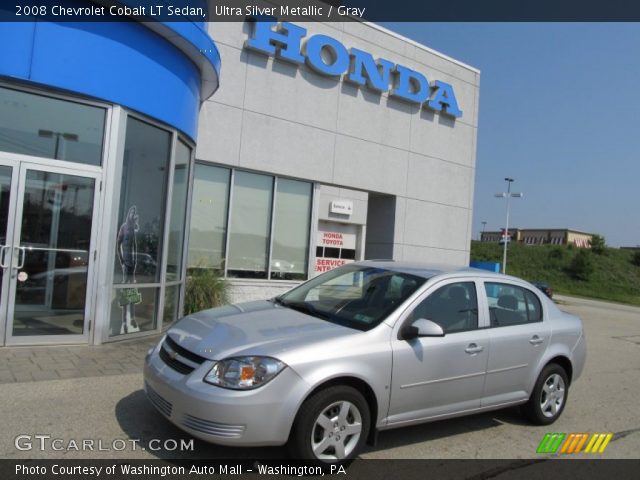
244,373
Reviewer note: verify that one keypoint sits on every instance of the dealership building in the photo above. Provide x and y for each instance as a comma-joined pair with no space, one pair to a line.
131,153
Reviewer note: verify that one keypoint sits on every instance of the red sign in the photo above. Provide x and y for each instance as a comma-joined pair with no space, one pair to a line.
326,264
333,239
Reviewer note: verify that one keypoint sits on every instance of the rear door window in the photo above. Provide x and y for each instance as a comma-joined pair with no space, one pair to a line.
511,305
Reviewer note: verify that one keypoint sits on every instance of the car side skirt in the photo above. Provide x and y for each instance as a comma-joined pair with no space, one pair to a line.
444,416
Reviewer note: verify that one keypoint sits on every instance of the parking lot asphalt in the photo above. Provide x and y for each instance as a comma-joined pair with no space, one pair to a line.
112,409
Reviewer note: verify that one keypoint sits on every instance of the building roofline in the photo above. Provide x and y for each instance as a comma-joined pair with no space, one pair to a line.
422,46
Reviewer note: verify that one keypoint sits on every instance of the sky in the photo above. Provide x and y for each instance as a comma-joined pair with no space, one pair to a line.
559,113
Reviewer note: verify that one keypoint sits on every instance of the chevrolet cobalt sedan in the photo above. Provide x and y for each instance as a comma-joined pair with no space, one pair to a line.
363,348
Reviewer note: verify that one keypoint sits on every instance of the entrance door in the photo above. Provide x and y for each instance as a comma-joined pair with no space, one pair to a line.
46,245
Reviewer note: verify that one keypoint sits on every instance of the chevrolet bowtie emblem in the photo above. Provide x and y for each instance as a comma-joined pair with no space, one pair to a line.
173,355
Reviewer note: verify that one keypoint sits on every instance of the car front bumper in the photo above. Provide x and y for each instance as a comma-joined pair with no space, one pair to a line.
258,417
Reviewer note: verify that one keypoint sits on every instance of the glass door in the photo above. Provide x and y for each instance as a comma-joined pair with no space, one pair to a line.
48,263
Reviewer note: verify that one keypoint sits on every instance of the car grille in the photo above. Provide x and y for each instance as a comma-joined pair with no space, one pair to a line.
160,403
213,428
178,358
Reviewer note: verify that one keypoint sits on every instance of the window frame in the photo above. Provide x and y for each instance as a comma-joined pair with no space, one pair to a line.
431,288
524,296
272,230
274,193
181,272
75,98
161,285
192,196
230,209
167,194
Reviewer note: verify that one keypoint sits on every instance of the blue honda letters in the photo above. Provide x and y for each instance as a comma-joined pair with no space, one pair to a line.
328,56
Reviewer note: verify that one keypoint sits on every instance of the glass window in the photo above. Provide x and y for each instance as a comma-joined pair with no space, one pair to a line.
56,231
292,216
142,198
511,305
534,308
348,254
209,205
170,304
454,307
247,220
250,225
57,211
353,295
331,252
133,310
47,127
178,211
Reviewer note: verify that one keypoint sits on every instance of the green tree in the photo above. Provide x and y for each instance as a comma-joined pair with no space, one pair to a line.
635,259
581,267
598,244
557,253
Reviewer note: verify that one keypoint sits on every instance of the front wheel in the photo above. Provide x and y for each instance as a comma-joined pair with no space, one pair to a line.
331,426
549,396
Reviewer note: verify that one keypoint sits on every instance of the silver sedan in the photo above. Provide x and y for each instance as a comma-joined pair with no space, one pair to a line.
366,347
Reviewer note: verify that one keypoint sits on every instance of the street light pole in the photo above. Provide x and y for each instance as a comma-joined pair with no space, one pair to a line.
508,196
484,224
506,227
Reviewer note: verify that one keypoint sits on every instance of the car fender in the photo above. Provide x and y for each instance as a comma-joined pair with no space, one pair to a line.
552,351
375,373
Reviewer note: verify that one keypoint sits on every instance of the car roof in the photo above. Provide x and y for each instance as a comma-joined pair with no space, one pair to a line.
430,270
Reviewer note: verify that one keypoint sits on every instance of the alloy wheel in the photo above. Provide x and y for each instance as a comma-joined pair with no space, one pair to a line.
336,431
552,397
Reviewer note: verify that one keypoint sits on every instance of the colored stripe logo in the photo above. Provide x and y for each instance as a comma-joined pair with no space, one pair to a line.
564,443
598,442
551,442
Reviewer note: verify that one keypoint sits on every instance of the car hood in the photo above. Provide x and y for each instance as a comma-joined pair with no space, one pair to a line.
254,328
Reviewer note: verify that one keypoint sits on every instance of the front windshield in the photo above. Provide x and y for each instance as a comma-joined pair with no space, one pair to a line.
353,295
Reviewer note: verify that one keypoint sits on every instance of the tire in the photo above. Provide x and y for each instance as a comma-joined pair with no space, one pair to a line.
332,426
549,396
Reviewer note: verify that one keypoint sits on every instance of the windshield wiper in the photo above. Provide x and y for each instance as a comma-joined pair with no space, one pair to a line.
309,309
279,301
306,307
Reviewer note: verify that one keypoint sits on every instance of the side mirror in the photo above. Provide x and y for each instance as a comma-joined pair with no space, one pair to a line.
421,328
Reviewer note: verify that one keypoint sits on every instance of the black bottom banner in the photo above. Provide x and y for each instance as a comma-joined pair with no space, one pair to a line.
361,469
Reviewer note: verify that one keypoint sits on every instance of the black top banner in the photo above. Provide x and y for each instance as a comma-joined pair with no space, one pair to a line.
328,11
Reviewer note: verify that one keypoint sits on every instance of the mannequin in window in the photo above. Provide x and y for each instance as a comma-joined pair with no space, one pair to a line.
127,249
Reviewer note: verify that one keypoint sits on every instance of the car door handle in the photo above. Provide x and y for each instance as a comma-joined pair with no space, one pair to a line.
536,340
473,348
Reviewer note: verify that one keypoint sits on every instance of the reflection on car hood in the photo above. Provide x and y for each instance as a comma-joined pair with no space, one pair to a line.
254,328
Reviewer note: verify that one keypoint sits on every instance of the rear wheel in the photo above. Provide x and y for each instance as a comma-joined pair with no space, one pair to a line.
549,396
331,426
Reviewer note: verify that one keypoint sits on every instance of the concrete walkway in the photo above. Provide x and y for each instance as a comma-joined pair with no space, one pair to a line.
32,364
